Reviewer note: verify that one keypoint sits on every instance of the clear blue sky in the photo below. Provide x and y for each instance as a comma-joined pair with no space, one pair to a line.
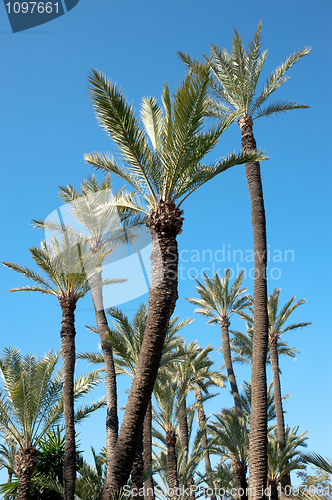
47,124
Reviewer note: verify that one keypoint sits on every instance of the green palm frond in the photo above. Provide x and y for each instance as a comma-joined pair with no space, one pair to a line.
278,107
317,460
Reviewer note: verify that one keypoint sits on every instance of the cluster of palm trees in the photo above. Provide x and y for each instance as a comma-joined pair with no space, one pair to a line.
161,158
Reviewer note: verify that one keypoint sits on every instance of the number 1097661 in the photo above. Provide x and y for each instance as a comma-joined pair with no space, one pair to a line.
32,7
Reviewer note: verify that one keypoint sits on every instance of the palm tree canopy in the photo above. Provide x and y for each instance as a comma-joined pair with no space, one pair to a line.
127,336
31,399
278,320
235,75
217,300
162,154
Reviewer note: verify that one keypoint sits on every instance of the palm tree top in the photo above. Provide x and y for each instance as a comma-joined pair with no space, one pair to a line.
162,153
217,299
235,75
277,321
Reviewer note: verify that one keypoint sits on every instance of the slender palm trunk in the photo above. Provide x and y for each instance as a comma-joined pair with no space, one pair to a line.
110,376
240,479
258,418
25,464
147,454
224,323
285,480
164,223
172,470
184,433
207,461
68,333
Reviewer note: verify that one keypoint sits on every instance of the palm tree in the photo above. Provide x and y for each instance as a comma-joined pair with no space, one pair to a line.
234,79
164,171
282,463
63,263
218,303
104,232
126,340
276,329
231,437
195,374
31,403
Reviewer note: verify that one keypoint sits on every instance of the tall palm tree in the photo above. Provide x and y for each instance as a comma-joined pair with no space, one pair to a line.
219,302
163,164
63,262
234,81
31,403
104,232
126,340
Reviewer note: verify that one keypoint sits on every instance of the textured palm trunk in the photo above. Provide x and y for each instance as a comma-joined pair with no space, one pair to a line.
224,323
258,418
184,433
240,479
165,224
25,464
68,333
172,469
207,461
285,480
137,474
110,376
147,454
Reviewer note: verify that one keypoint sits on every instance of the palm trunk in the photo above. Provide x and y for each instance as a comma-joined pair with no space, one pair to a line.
285,480
68,333
164,223
147,454
240,479
137,474
258,418
207,461
184,433
110,376
172,470
224,323
25,464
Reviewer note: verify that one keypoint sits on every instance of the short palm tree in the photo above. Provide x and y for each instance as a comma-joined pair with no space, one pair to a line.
32,403
282,463
230,435
234,81
62,261
163,164
219,302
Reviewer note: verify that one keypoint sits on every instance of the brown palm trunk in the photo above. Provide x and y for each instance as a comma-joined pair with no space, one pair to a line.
258,419
25,464
147,454
164,223
110,376
68,305
285,479
240,479
184,433
224,323
207,461
137,474
172,470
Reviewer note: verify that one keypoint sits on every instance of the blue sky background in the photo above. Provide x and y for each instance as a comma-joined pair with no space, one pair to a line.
47,124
